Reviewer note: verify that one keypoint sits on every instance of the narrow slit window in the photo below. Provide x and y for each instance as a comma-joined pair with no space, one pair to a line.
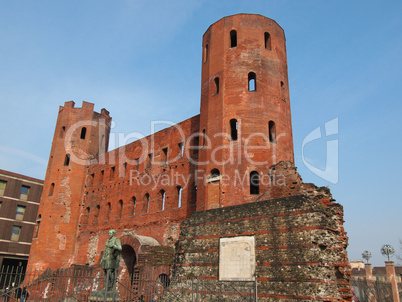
272,131
181,149
165,156
149,161
252,81
179,195
62,131
283,91
102,175
51,189
162,199
206,50
216,80
83,132
146,203
133,205
203,137
267,39
254,183
96,214
233,129
233,38
108,210
67,160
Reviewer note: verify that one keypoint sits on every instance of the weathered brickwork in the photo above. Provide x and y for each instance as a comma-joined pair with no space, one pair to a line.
59,208
226,172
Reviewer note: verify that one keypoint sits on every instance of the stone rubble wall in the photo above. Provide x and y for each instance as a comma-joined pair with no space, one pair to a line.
300,246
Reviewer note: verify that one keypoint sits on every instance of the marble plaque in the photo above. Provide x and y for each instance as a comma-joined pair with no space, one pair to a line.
237,259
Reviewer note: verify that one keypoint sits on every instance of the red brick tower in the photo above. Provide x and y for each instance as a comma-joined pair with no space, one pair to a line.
245,110
81,136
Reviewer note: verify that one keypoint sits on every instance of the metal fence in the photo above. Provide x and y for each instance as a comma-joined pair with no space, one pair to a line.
86,284
379,291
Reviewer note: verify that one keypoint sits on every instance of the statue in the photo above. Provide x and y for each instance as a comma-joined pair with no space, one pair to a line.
111,259
110,265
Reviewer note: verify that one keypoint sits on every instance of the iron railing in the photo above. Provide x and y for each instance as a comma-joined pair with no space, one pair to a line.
370,291
86,284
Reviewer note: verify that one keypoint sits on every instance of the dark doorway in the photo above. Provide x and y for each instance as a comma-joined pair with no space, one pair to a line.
129,257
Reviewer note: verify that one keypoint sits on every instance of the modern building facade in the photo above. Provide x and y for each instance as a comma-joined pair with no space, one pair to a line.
19,202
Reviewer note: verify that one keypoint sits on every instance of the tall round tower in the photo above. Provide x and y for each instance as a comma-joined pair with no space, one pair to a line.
245,110
81,137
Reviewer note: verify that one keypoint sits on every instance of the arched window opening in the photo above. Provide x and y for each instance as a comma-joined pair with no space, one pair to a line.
267,39
164,280
162,199
146,203
272,131
38,220
83,132
179,193
203,137
252,81
206,50
233,38
120,209
233,129
108,210
214,173
216,80
181,149
254,183
51,189
133,205
67,160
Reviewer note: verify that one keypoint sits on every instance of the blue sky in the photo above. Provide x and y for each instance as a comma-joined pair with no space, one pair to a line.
141,60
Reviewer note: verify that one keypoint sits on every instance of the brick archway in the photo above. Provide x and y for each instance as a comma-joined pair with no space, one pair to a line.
137,242
133,246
